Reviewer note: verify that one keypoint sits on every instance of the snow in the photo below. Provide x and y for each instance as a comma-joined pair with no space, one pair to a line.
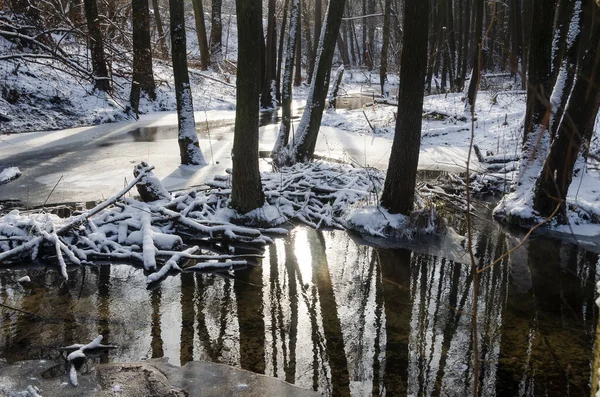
376,221
24,279
121,227
9,174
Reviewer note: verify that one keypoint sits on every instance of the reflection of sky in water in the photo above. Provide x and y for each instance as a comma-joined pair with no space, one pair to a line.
325,312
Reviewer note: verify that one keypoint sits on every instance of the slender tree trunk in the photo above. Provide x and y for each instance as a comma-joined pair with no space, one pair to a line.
567,72
451,35
477,56
516,44
247,194
189,149
298,69
266,97
347,45
201,34
576,129
280,49
97,48
459,52
161,41
384,49
317,35
526,22
539,76
365,39
310,56
308,129
466,41
353,52
143,77
343,49
399,189
286,95
216,31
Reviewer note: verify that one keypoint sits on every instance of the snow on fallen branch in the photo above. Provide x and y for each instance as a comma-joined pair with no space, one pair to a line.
151,232
78,352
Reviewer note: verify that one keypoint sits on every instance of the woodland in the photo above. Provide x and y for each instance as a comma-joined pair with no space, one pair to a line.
512,85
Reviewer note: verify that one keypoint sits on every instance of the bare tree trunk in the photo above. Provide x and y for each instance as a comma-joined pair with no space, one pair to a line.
97,48
539,76
399,189
247,194
317,35
161,42
568,69
298,69
477,56
516,44
189,149
576,129
143,77
384,49
280,49
286,95
201,34
310,55
466,41
216,31
451,35
343,49
266,97
351,42
308,129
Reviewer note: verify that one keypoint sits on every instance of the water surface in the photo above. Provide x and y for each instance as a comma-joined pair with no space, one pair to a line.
325,312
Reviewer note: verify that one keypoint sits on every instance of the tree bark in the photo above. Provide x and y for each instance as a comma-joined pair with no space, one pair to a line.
477,57
317,35
310,55
266,97
280,49
298,68
247,194
308,129
189,149
216,31
343,49
384,49
516,43
143,77
575,130
399,188
161,41
539,75
201,34
99,69
286,94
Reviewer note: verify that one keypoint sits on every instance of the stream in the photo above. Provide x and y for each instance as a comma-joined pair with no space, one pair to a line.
331,312
327,312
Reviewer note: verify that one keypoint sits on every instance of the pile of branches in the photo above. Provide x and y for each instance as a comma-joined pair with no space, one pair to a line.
161,231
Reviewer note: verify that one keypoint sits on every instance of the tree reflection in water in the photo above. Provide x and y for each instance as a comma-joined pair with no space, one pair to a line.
327,313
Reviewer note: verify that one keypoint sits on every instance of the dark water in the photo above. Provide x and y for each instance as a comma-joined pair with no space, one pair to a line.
328,313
